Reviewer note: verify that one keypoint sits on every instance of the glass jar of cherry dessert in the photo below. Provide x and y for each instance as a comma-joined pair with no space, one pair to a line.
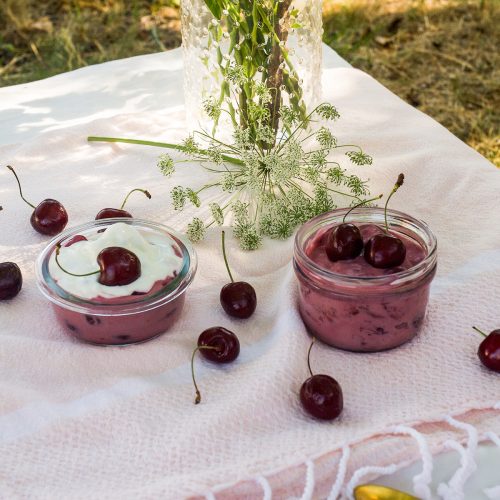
352,305
87,284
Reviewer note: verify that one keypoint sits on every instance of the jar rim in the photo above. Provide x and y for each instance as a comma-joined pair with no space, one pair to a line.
366,215
140,303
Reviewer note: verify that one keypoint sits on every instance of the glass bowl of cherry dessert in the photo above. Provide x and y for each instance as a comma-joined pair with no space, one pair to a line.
117,281
364,283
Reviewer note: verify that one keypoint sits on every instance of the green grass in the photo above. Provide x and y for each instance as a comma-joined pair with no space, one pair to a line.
439,55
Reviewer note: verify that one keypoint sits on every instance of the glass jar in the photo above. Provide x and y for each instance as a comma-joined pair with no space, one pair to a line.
283,50
364,313
121,320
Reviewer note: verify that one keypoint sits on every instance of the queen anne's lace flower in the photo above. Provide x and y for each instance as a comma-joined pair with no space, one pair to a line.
166,165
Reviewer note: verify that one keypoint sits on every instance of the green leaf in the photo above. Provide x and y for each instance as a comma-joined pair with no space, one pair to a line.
215,8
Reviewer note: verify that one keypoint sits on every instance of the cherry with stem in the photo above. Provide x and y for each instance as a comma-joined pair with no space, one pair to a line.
489,349
110,213
217,344
117,266
344,242
385,250
238,298
321,395
49,217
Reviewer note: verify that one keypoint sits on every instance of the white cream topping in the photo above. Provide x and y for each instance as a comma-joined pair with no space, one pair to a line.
154,250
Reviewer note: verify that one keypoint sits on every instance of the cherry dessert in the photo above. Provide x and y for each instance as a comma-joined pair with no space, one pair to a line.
385,250
117,266
11,280
489,349
217,344
111,213
237,298
321,395
49,216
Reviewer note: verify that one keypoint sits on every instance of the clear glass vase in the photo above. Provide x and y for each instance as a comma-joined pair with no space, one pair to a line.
276,43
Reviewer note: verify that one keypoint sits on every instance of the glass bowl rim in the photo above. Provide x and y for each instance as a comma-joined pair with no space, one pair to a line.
167,293
301,259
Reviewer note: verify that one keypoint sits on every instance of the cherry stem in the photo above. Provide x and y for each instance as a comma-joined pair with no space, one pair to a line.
58,248
20,189
146,193
309,357
398,184
359,205
197,399
480,331
225,256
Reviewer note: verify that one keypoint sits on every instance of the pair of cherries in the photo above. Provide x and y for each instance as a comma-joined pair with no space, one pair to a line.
383,251
50,217
218,344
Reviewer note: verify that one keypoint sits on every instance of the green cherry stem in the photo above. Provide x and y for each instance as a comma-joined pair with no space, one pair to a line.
58,248
360,205
225,256
197,399
146,193
479,331
398,184
20,189
309,357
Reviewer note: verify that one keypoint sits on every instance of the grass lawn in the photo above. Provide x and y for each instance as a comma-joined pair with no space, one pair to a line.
439,55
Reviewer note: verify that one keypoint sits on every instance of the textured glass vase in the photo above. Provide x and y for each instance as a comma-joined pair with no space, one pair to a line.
277,42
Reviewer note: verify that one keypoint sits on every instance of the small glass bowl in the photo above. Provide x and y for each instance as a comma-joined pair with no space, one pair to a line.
364,313
127,320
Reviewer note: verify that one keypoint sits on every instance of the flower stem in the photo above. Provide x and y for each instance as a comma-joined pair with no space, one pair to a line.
167,145
19,185
225,256
146,193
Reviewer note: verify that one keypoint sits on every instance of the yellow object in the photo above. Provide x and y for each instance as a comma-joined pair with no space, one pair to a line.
377,492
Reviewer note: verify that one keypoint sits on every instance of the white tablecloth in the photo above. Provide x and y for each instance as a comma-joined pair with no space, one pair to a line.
78,421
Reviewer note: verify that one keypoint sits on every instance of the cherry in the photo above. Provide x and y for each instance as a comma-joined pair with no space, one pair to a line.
344,242
489,350
386,250
117,266
49,216
217,344
75,239
237,298
321,395
11,280
111,213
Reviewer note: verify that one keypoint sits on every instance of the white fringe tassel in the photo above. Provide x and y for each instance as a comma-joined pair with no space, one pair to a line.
309,486
341,472
494,492
264,483
363,471
454,490
422,481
